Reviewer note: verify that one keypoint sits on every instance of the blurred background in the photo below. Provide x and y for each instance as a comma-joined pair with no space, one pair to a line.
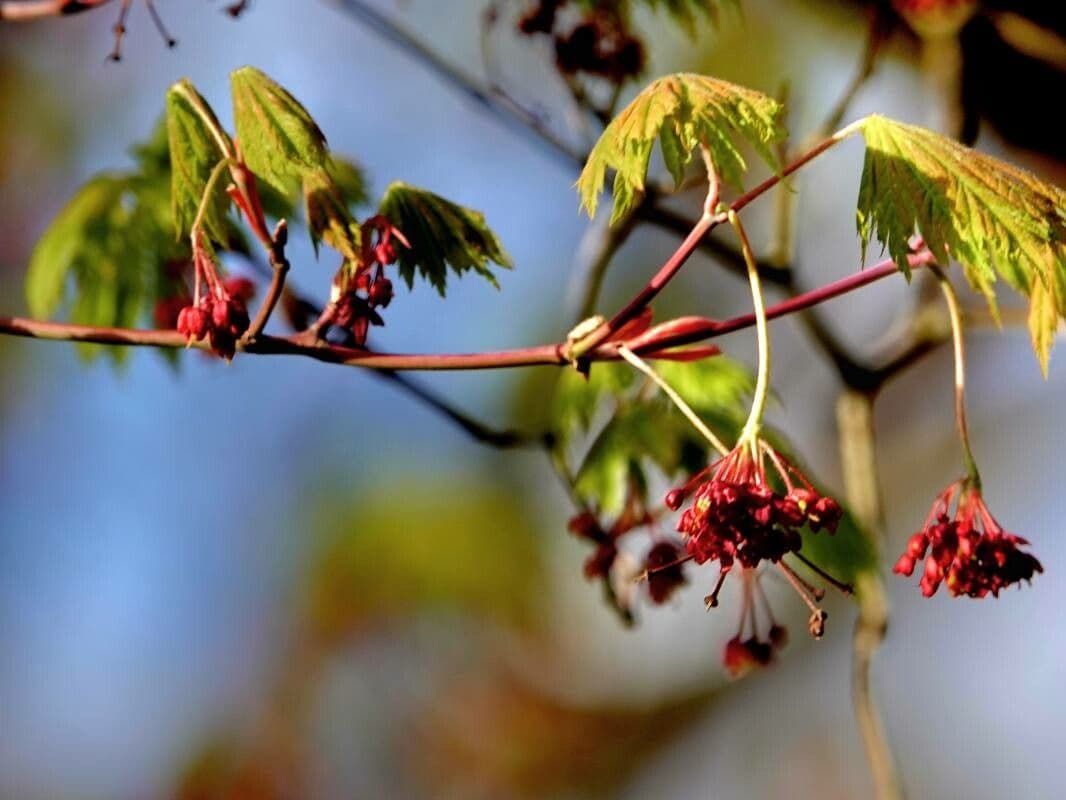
276,578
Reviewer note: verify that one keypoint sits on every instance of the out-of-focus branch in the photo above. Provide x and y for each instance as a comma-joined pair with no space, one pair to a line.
27,10
520,119
862,490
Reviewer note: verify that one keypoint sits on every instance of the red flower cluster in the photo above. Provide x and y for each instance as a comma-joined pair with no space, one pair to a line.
969,551
737,516
358,298
586,526
219,317
599,44
220,313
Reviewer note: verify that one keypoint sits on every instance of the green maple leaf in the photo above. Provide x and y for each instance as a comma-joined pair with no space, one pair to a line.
328,217
279,140
681,112
645,429
196,143
442,235
996,220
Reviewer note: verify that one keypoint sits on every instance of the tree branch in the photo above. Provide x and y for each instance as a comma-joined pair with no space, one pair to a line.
502,106
654,343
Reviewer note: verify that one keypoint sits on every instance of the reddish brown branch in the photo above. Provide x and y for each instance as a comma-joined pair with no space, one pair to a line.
655,343
26,10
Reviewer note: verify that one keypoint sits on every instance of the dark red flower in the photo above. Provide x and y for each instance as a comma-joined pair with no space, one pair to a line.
380,238
737,516
967,550
194,322
218,317
540,18
663,566
742,516
380,293
749,647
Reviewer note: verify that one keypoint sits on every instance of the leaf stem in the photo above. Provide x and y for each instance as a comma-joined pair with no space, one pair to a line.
951,297
762,383
676,398
205,201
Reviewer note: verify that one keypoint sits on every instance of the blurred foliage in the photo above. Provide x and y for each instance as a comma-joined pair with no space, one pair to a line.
440,545
497,736
643,426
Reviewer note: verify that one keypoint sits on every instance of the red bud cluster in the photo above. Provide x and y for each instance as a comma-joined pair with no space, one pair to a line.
219,313
741,656
969,551
222,319
600,44
359,297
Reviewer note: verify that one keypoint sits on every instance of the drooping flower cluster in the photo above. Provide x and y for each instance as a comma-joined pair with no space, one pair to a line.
968,551
739,516
736,515
218,310
360,292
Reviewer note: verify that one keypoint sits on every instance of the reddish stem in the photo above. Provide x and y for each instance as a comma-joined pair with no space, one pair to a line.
679,332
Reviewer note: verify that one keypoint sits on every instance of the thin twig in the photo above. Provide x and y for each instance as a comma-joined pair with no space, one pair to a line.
280,265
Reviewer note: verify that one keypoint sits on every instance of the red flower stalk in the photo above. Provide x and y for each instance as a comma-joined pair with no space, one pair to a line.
968,549
749,648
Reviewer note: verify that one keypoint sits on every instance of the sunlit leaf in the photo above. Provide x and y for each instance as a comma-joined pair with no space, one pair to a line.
442,235
350,180
194,134
642,427
682,111
995,219
107,242
278,139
